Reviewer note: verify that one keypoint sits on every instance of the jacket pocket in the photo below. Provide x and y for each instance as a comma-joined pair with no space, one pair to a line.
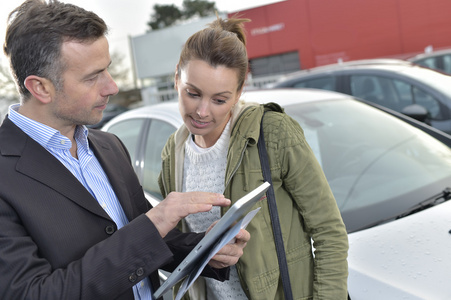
300,266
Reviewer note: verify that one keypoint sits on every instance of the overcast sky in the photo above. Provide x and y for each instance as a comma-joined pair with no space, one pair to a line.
126,17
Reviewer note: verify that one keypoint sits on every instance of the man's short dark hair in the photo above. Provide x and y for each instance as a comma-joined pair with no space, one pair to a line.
35,33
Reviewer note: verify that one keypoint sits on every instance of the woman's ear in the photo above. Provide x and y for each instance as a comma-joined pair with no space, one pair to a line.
176,75
238,95
41,88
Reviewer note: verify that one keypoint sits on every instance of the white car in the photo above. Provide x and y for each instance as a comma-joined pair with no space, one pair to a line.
390,176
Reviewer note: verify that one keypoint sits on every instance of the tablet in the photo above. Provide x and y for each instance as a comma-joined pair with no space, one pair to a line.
236,212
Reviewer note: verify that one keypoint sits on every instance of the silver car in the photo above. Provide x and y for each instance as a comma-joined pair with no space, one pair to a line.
418,92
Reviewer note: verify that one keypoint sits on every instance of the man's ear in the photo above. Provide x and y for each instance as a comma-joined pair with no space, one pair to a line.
41,88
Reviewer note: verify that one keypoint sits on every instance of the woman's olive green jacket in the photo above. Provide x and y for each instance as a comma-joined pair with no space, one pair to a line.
306,206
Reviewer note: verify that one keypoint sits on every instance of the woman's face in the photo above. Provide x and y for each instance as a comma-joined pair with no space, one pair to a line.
206,97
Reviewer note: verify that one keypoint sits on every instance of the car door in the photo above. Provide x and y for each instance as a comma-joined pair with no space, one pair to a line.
155,139
145,138
130,132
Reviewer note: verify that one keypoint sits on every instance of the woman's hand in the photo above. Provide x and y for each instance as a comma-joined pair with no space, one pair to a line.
230,253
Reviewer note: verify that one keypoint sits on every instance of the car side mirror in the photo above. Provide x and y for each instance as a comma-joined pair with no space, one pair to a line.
416,112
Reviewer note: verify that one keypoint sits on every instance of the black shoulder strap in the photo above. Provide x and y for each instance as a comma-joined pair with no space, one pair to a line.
274,217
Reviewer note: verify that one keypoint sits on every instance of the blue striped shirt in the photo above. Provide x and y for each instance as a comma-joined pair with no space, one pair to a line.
86,169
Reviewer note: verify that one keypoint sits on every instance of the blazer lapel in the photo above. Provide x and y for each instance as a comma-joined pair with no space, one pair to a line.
109,162
34,161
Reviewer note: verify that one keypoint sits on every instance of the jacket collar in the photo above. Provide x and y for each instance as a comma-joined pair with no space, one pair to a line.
246,121
33,159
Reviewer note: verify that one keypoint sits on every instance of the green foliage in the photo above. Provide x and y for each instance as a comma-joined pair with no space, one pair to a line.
8,92
202,8
7,84
164,16
167,15
119,71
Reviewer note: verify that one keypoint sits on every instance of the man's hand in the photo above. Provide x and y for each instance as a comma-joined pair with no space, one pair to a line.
176,206
230,253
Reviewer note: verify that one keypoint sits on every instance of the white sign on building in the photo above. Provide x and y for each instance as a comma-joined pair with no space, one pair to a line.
155,54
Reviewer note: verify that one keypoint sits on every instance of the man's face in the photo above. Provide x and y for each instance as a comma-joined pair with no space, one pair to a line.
87,83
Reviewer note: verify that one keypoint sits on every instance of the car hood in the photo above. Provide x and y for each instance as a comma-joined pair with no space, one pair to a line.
404,259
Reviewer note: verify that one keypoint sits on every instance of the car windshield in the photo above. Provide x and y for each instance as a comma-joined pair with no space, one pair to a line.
376,164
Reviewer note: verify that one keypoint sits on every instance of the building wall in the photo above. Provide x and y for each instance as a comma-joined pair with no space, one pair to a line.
156,53
319,31
325,31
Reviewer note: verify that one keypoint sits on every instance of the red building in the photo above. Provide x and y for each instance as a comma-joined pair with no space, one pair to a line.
299,34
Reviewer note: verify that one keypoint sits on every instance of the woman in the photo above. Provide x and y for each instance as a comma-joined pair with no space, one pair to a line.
216,151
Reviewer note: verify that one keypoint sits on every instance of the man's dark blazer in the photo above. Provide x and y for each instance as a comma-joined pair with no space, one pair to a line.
56,242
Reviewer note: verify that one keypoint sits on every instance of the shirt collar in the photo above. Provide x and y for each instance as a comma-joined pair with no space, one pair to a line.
46,136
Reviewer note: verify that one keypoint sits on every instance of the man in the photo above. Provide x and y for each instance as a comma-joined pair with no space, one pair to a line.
74,220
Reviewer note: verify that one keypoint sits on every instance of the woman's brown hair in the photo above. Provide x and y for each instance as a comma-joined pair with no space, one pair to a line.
222,43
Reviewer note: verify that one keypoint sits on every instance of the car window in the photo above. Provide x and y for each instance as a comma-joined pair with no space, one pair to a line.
447,63
128,132
427,101
410,94
392,93
323,83
367,87
430,62
158,134
377,89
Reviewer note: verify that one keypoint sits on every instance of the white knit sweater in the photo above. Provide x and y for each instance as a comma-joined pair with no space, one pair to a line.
204,170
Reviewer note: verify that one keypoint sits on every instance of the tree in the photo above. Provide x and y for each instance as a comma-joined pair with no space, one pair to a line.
167,15
164,16
201,8
8,92
118,71
7,85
